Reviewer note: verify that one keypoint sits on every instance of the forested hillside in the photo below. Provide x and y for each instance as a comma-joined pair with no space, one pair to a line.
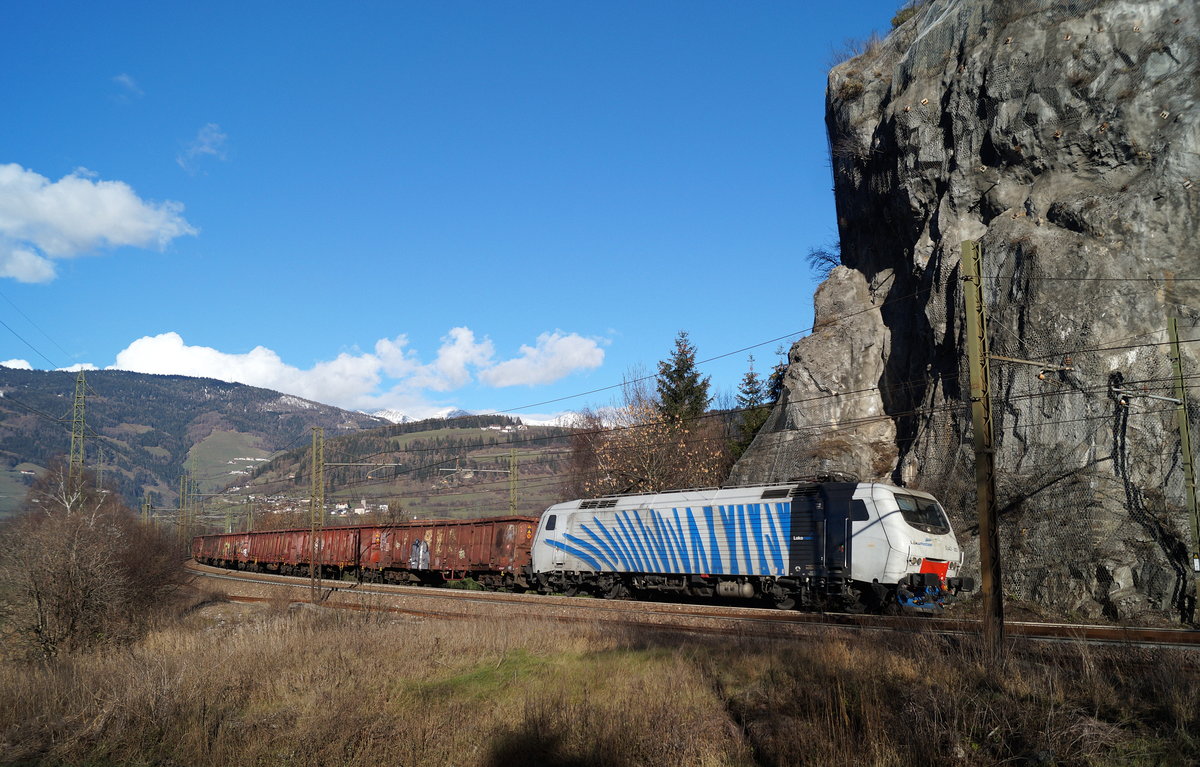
466,466
142,429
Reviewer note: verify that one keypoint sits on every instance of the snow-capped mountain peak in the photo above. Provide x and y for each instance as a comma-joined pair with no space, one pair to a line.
395,416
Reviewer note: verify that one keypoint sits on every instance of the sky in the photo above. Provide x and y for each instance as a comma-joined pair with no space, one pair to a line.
418,206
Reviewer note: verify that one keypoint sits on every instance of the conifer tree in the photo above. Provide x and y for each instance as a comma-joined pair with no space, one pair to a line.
752,402
751,392
774,384
682,392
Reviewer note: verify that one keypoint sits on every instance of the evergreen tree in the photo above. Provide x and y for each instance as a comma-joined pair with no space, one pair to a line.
752,402
751,391
682,392
774,385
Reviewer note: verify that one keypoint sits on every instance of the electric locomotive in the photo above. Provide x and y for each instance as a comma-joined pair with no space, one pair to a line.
814,545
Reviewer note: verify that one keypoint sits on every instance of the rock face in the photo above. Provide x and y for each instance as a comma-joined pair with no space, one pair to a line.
1065,138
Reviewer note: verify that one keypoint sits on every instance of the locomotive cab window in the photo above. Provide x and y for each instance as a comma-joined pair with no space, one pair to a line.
550,520
923,513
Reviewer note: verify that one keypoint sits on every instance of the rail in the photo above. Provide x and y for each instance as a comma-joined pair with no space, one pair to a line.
703,619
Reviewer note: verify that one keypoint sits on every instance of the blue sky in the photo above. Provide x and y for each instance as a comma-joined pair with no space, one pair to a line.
418,206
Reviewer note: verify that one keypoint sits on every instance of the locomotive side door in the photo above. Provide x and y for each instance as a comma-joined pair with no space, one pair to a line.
554,529
547,544
839,511
806,550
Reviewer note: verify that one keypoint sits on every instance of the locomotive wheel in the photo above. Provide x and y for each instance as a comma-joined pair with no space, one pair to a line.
572,590
785,603
618,591
861,601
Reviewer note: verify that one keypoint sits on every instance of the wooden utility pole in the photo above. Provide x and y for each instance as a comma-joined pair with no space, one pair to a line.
1189,470
985,455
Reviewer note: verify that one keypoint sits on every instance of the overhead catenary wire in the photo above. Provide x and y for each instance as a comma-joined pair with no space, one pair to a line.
871,391
845,424
842,424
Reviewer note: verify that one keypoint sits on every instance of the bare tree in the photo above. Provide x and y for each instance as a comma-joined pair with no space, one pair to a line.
78,568
633,447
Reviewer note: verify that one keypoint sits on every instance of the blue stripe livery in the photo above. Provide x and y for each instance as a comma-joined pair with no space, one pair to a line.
736,539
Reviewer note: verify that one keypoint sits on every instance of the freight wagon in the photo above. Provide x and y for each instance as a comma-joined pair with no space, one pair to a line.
494,551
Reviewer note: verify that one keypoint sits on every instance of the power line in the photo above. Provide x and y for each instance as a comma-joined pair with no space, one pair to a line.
630,382
36,327
918,412
1095,279
31,346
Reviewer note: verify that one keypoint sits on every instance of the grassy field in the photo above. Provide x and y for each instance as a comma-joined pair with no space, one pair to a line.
13,488
209,460
229,684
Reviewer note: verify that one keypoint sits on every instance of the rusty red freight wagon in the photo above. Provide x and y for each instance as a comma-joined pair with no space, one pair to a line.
227,550
492,550
495,551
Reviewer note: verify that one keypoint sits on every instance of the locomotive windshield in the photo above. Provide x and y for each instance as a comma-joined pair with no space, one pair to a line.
923,514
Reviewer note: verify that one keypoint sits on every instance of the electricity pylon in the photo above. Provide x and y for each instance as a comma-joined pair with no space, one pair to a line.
78,427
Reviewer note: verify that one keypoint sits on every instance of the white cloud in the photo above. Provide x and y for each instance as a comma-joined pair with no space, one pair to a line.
129,86
390,377
209,142
395,360
554,356
16,365
77,367
332,382
23,265
41,220
450,370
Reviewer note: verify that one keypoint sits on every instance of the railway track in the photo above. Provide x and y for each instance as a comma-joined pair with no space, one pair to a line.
451,604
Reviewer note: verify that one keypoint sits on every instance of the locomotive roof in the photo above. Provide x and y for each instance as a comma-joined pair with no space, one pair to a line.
777,491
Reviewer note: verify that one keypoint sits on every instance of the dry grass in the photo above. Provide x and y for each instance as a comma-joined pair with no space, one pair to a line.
315,687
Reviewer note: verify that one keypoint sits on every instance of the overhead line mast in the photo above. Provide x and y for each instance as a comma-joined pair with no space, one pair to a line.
316,510
78,429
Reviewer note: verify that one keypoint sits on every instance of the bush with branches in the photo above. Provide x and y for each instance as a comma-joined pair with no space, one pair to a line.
78,568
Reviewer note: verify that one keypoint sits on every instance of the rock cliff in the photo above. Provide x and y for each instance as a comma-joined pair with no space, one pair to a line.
1065,137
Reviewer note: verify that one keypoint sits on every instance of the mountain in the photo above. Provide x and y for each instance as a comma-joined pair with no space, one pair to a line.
142,430
1061,137
467,466
391,416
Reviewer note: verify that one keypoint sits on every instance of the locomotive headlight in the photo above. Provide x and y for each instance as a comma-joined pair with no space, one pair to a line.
915,560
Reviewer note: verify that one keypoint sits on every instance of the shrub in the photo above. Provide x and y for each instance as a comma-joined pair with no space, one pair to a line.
78,568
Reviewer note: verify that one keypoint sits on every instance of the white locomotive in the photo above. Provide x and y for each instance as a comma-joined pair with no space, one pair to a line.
817,545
